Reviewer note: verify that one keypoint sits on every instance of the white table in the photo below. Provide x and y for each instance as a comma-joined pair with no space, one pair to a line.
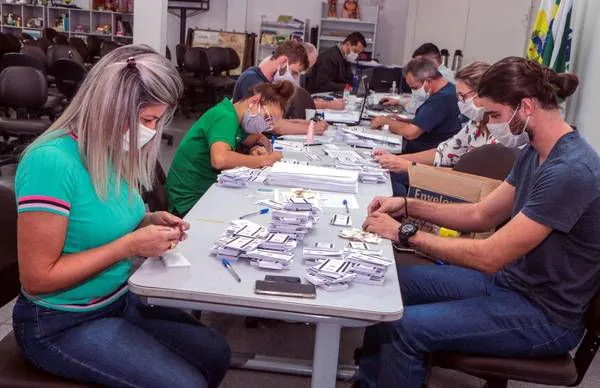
207,286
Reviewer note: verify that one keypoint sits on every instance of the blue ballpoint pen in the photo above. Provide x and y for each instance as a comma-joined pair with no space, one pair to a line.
261,211
230,269
347,208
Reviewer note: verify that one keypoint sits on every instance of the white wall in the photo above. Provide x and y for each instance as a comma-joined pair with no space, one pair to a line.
585,61
150,23
229,15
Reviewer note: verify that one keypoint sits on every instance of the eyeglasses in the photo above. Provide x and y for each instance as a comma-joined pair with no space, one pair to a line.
464,97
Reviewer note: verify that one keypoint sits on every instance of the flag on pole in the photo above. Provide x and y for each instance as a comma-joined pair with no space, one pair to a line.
550,42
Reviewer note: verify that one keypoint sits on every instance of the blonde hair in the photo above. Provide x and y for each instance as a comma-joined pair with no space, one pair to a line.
107,104
472,73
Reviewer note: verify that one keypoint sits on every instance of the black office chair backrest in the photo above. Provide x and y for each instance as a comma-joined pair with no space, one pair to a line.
23,87
44,44
492,161
196,61
8,241
62,51
49,33
68,75
21,59
35,52
157,197
180,55
80,46
107,46
234,60
218,57
93,45
60,39
4,44
14,43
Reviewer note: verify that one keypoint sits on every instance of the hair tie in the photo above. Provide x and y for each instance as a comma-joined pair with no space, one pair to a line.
131,63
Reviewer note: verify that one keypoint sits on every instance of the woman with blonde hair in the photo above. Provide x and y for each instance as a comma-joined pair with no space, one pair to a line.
475,132
81,220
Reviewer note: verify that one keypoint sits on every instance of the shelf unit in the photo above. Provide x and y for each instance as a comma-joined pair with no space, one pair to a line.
280,32
81,22
333,30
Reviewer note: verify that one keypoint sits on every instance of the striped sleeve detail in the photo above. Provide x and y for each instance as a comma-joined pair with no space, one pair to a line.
32,203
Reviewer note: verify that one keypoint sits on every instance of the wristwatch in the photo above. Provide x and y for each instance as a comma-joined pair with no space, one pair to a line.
406,231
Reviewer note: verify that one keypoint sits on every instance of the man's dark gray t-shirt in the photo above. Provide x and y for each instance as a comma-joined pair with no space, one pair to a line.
562,273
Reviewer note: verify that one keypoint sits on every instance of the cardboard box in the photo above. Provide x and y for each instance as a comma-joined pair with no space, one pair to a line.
447,186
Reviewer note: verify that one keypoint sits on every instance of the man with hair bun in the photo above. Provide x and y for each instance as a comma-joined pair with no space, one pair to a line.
522,291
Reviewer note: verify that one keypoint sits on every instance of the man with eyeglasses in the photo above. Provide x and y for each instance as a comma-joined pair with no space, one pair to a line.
436,120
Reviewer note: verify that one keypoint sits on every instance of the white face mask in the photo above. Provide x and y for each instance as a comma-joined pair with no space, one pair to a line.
144,133
420,94
469,109
502,133
352,57
287,76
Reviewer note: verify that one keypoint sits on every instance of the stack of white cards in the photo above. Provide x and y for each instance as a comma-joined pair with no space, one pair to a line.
242,177
313,177
357,263
296,224
233,247
279,242
368,169
321,252
268,259
246,228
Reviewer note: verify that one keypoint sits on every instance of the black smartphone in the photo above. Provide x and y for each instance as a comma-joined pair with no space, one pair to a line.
297,290
282,279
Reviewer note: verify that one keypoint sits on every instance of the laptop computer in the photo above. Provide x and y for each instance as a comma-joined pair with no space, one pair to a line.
345,117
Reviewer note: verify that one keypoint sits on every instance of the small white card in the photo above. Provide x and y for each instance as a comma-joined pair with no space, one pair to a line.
341,220
174,259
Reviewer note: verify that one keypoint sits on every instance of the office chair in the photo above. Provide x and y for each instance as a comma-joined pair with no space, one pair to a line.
107,46
157,197
68,76
36,52
22,59
80,46
14,43
15,370
23,89
63,51
44,44
562,370
491,161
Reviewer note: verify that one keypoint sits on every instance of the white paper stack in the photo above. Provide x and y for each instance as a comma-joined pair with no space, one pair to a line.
296,224
268,259
242,176
313,177
279,242
232,247
318,255
247,228
333,272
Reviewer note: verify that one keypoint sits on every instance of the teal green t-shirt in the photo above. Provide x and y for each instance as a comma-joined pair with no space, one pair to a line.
53,178
191,172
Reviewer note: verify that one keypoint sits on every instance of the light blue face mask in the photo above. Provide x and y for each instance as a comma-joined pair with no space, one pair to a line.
255,122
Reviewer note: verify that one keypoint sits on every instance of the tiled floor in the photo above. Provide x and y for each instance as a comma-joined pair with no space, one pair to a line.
267,338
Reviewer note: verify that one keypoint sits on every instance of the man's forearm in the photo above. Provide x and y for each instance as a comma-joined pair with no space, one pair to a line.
290,127
465,252
458,216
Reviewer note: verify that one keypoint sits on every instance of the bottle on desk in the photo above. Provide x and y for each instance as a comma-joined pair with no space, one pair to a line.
346,95
394,88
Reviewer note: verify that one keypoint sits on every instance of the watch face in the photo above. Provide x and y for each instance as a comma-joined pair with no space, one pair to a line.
408,228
